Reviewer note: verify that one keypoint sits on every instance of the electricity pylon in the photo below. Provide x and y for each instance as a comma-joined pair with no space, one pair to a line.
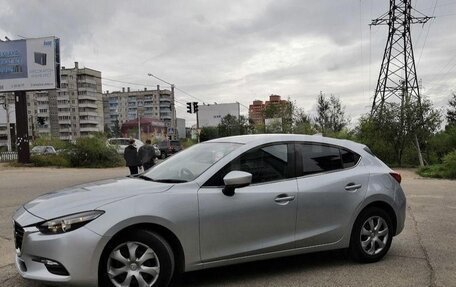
397,80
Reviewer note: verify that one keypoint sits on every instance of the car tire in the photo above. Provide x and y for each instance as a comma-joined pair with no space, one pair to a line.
371,235
152,261
163,155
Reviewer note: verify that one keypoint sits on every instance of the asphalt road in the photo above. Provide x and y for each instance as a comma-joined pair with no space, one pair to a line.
424,254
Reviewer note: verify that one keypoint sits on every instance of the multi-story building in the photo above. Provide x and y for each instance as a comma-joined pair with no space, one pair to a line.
126,105
180,127
257,108
75,110
212,115
256,112
7,115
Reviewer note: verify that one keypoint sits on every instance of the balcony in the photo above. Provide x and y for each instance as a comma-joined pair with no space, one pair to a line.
89,129
87,80
88,121
87,89
63,97
63,106
87,113
66,113
44,98
89,96
65,130
43,115
64,122
88,105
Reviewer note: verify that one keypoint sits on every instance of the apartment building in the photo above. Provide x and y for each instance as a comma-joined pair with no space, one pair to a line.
75,110
127,105
257,108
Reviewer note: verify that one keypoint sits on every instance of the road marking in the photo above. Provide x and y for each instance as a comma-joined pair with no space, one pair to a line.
426,196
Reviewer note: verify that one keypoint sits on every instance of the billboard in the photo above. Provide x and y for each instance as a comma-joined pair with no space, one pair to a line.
30,64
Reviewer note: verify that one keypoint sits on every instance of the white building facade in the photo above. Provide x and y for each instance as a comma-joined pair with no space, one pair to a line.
212,115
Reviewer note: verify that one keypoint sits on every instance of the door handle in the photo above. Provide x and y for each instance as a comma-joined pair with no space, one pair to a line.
284,198
352,187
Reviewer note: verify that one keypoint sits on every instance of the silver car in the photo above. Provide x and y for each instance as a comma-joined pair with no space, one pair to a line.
221,202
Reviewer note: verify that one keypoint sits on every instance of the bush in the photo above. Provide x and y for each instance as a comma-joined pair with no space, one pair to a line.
445,170
58,160
57,143
186,143
93,152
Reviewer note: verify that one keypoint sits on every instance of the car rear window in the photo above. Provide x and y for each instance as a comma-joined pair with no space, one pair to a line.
349,159
320,158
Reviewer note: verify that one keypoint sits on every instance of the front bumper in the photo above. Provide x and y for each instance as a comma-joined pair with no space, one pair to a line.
77,251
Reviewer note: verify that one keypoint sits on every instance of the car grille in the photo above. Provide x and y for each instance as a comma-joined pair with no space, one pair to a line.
18,235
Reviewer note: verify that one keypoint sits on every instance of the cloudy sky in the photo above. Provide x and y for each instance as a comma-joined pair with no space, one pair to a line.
226,51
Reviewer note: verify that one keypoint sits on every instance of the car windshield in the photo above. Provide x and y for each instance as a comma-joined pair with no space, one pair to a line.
188,164
38,149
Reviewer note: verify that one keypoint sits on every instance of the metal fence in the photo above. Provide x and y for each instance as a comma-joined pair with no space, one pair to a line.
8,156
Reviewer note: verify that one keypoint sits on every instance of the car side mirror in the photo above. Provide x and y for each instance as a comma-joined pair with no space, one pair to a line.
236,179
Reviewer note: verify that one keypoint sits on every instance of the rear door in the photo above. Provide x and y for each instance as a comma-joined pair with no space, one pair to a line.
331,186
259,218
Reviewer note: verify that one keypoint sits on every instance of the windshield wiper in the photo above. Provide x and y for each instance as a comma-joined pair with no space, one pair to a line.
170,180
141,176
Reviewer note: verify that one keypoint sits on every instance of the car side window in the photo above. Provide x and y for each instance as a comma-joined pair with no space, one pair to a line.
349,159
267,163
318,158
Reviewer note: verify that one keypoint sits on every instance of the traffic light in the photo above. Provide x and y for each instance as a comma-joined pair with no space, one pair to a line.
195,107
189,108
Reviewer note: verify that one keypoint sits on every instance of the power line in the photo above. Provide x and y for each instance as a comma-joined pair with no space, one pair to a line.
177,88
427,34
162,80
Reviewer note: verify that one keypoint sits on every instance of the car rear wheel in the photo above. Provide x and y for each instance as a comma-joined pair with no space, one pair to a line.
140,259
371,235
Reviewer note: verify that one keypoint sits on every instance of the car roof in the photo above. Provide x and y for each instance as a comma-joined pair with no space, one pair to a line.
270,138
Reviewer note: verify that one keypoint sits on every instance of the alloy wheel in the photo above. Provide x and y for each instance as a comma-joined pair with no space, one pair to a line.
374,235
133,264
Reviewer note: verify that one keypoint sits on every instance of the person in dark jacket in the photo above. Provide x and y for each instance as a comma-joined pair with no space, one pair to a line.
147,155
131,157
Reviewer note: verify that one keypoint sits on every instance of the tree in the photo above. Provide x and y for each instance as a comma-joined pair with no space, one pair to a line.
107,131
394,133
283,110
330,117
451,111
116,131
208,133
231,125
302,123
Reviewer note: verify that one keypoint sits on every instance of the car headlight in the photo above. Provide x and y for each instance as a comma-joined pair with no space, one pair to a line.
69,222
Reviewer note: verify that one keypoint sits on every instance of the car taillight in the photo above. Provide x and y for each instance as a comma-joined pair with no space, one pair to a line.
396,176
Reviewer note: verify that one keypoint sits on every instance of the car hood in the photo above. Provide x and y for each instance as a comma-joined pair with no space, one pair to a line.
90,196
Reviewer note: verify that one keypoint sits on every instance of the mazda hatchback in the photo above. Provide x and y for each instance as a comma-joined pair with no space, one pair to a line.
220,202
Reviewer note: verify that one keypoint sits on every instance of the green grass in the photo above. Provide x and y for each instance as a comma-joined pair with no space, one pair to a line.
445,170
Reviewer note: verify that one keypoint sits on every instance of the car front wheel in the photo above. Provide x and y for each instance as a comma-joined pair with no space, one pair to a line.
371,235
142,258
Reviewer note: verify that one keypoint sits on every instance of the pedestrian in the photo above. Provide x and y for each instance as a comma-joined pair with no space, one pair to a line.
131,157
147,155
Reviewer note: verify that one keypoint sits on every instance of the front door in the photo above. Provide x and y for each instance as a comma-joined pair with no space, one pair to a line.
259,218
